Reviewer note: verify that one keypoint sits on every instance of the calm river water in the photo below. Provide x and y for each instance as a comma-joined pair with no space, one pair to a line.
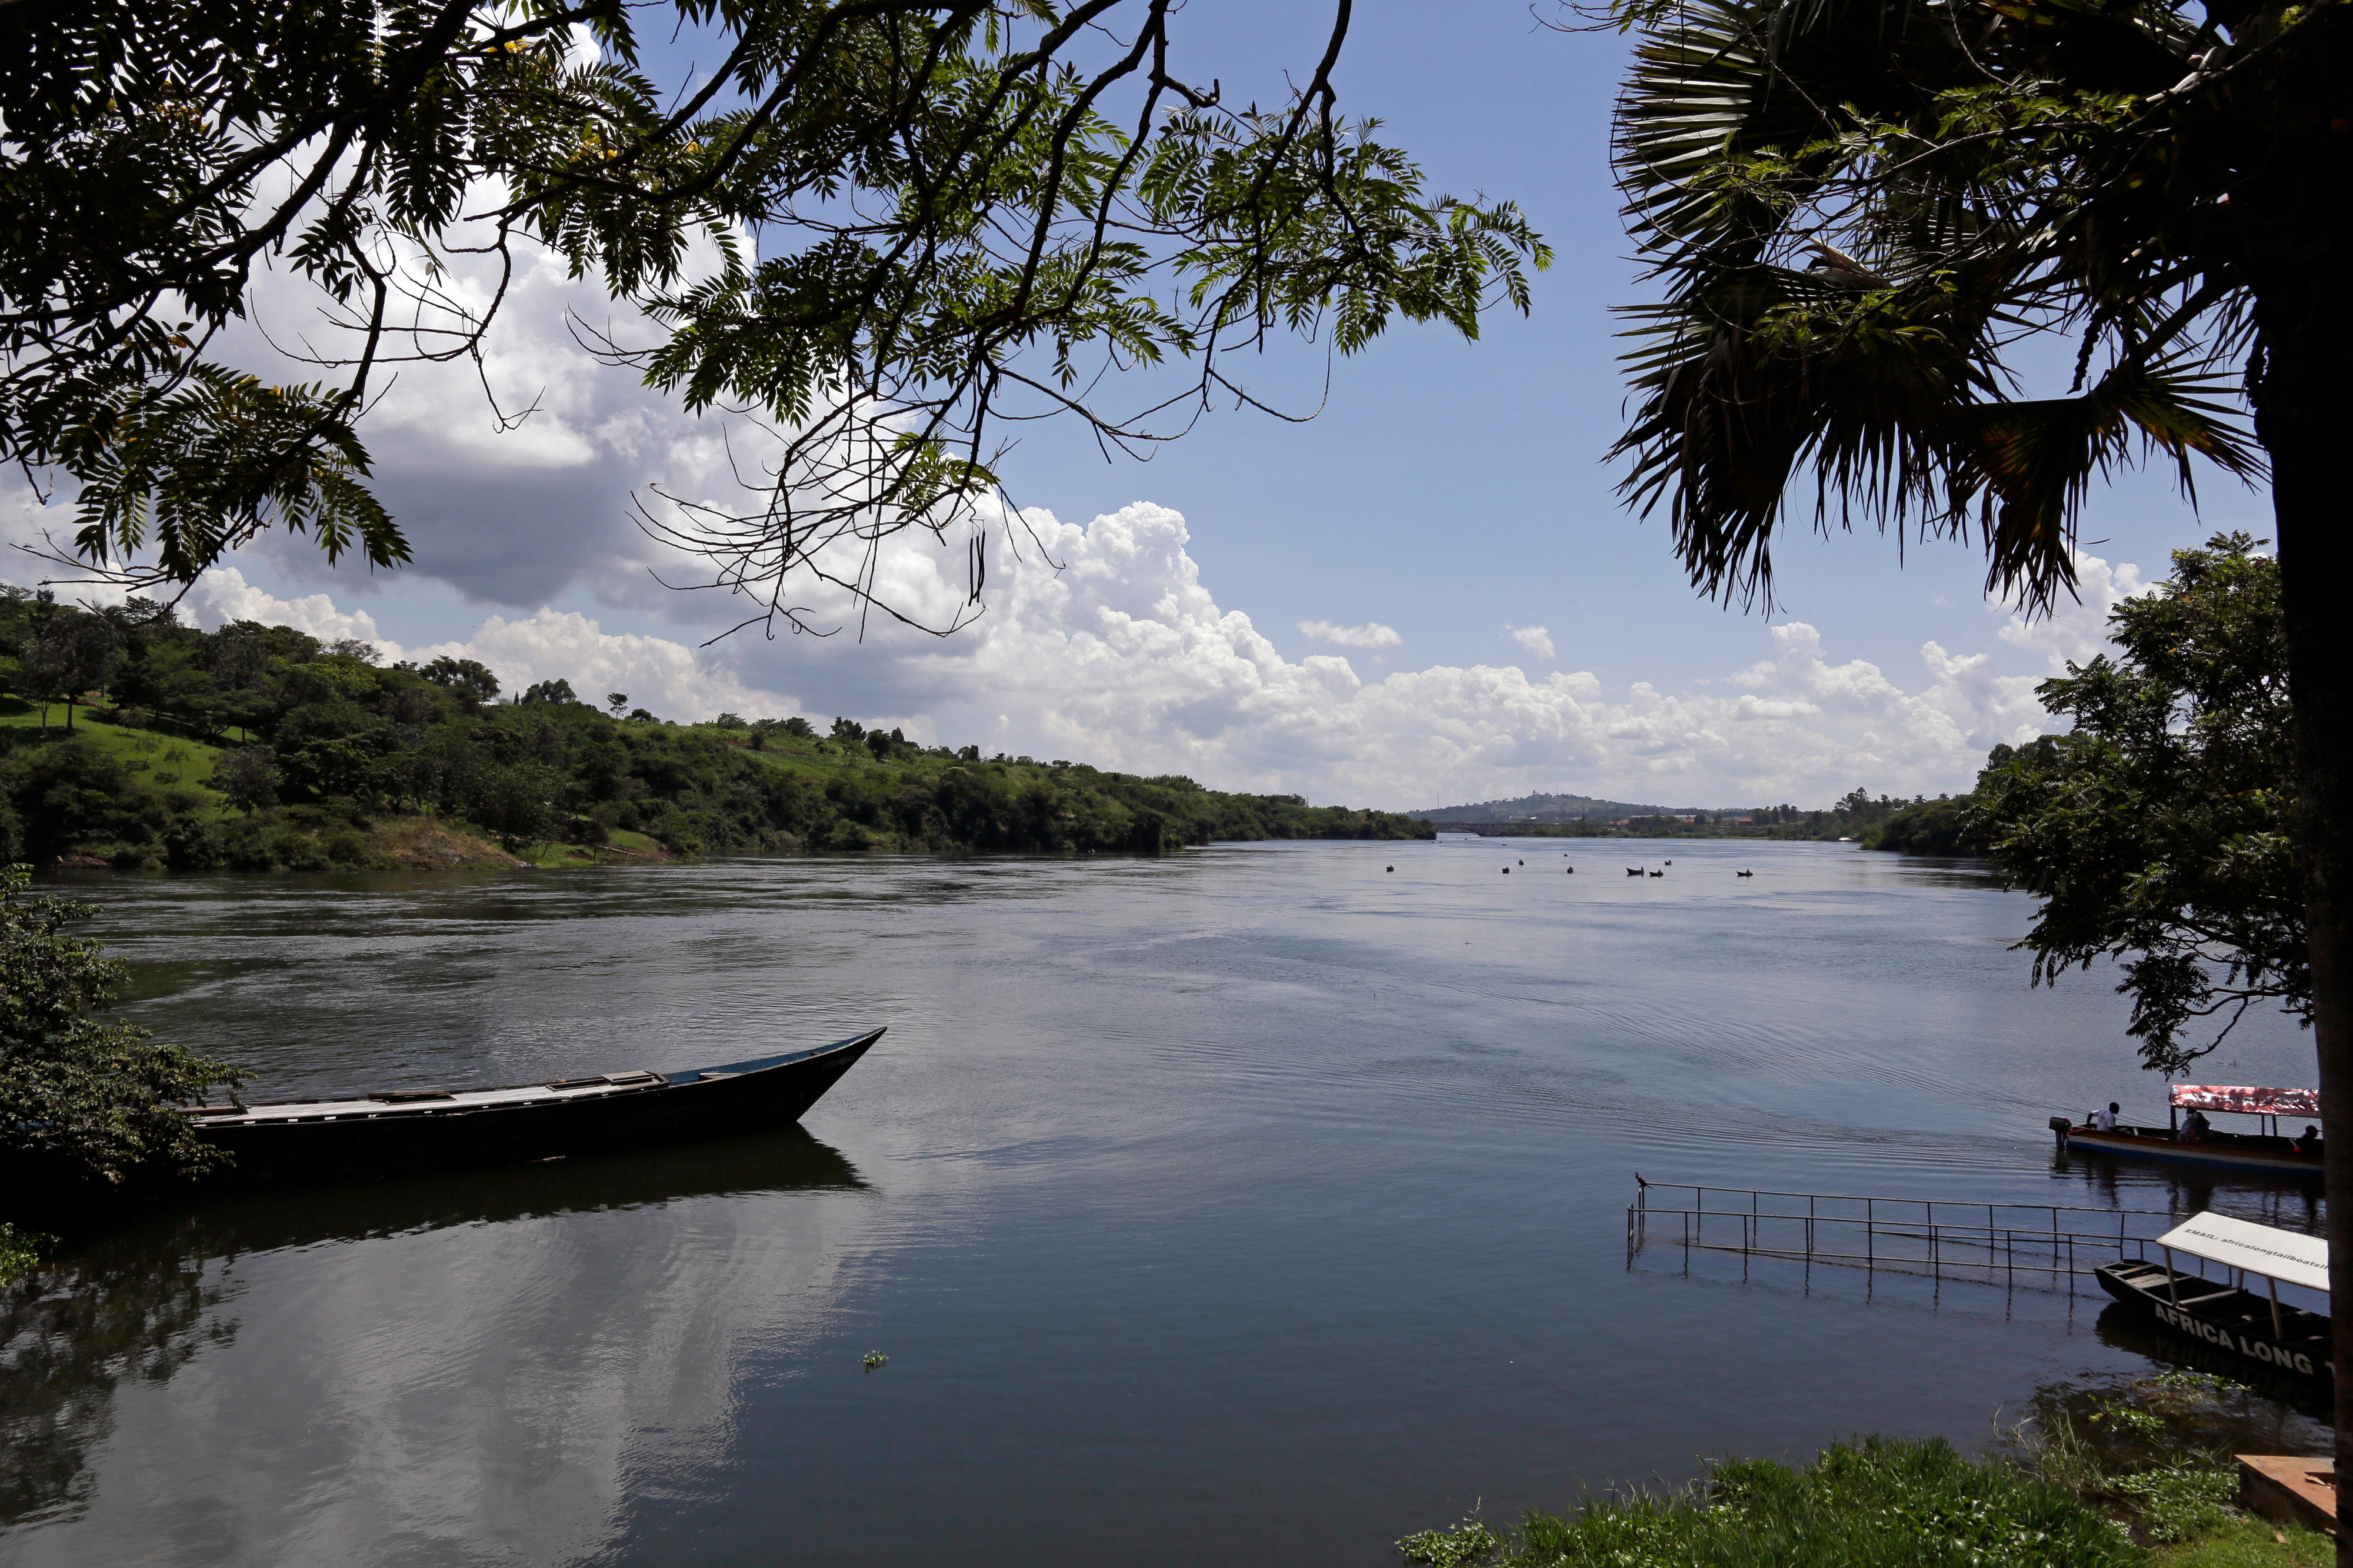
1255,1206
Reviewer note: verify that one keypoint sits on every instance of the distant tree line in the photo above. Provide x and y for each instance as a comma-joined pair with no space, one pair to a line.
322,743
1857,815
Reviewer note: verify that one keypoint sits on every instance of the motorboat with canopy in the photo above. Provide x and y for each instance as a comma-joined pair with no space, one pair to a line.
2254,1324
2264,1149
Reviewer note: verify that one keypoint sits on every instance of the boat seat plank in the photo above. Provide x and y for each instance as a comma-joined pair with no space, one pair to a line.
2209,1296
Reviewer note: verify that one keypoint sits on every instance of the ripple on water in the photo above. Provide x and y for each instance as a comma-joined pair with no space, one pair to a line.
1258,1202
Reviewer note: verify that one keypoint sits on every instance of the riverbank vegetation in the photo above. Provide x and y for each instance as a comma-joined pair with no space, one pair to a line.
129,740
2131,1473
20,1251
2161,831
1945,825
82,1098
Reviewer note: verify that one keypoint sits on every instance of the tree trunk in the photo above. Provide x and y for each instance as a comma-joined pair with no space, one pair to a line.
2291,217
2305,416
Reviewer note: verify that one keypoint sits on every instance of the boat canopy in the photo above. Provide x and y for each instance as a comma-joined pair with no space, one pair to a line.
2245,1101
2257,1248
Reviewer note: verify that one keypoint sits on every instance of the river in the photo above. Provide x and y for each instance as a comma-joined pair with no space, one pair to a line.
1257,1205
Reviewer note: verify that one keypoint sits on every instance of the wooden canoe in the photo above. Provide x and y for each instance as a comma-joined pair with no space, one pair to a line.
409,1129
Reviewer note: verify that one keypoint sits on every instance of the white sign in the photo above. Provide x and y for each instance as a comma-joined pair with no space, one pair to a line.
2257,1248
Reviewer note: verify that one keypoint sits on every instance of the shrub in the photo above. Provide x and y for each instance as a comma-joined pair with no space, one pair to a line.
20,1251
89,1097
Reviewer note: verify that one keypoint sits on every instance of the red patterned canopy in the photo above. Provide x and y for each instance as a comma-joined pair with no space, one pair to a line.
2249,1102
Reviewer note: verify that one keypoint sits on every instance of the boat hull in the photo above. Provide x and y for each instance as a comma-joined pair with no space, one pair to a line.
2268,1155
2237,1322
309,1139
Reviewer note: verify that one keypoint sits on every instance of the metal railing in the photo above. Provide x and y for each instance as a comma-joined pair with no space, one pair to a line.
1900,1235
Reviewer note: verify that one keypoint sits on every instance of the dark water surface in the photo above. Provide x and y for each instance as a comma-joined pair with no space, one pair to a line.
1255,1206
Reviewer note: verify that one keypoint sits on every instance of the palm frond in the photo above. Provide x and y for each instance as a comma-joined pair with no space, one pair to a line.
1941,164
2035,459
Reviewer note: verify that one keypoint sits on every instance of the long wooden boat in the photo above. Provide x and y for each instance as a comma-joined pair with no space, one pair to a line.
2193,1144
403,1129
2230,1151
2241,1322
2257,1327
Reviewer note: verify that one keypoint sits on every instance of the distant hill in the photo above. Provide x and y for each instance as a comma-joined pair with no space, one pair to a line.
1563,808
1857,815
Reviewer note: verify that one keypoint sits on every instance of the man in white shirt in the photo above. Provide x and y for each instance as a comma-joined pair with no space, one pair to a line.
2105,1120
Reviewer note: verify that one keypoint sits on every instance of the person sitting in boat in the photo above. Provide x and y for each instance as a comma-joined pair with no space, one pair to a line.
2194,1127
2105,1120
2309,1143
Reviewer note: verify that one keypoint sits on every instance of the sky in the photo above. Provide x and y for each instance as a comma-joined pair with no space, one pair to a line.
1429,593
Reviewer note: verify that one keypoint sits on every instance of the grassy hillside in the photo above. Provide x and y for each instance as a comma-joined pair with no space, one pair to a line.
256,747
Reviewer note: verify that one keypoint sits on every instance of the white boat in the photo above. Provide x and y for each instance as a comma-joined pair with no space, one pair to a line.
2255,1325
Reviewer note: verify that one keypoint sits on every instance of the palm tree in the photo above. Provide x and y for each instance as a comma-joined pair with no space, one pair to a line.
1873,221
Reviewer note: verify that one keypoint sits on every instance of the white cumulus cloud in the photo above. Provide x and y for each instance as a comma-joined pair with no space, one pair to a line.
1127,659
223,596
1536,639
2076,629
1124,658
668,678
1372,634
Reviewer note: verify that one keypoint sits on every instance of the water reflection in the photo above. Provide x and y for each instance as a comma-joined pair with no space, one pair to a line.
563,1316
2280,1201
67,1336
1204,1195
2125,1328
785,1160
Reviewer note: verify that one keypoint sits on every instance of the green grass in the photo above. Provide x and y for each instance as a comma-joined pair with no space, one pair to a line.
2102,1471
2251,1543
165,760
1875,1503
557,856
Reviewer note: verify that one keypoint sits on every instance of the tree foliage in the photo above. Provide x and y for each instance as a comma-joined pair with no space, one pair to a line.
882,228
334,744
78,1095
1946,826
1869,220
2161,831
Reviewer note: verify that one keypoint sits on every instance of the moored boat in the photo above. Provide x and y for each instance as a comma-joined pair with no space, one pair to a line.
2262,1150
2255,1325
406,1129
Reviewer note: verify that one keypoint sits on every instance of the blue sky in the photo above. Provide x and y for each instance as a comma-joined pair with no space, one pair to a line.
1449,490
